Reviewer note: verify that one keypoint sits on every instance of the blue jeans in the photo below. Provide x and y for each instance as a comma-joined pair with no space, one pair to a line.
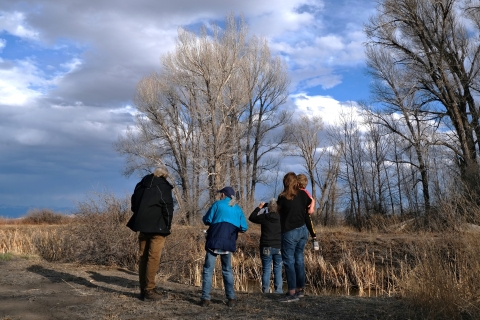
268,254
227,274
293,244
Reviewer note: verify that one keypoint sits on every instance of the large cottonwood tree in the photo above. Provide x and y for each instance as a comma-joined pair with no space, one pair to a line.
436,44
208,114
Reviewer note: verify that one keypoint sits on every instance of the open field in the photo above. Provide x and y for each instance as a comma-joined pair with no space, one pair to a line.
423,275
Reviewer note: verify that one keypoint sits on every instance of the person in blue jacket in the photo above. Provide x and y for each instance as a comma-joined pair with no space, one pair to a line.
225,219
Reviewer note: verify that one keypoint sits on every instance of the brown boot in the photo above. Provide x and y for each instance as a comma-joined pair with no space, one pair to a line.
153,295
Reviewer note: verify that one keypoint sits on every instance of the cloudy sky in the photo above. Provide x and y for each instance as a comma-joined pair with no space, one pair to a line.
68,71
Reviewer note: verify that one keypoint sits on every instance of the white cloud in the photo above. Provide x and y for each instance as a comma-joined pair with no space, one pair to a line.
16,82
126,110
326,82
329,109
330,43
275,23
14,23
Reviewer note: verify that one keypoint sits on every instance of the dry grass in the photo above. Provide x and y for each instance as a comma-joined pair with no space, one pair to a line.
438,273
444,279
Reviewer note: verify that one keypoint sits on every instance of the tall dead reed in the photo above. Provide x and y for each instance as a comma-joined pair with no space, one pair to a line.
438,273
443,282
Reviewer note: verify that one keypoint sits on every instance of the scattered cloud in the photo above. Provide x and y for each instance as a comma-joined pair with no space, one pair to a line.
15,24
68,72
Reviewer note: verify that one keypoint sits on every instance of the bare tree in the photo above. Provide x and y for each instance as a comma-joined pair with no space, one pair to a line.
429,38
347,139
304,136
215,99
266,83
403,112
376,152
165,134
201,69
326,178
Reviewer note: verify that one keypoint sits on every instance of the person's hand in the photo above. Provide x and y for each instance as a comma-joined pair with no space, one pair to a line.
261,205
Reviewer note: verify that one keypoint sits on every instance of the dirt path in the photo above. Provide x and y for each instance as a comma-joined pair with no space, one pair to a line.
32,289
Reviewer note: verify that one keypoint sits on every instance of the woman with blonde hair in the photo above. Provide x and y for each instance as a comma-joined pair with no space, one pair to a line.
292,206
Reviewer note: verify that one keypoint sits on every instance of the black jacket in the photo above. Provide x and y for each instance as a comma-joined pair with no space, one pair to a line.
152,206
293,212
270,225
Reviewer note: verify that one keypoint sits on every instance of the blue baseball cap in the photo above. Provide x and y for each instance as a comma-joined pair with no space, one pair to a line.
228,191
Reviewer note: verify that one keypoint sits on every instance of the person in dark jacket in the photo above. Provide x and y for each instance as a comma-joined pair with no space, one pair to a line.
225,219
270,244
152,206
293,204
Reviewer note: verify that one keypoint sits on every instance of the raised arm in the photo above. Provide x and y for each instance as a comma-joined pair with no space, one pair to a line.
254,216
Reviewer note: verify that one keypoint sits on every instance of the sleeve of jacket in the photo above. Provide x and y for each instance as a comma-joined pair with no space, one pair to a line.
132,202
208,217
310,227
243,222
254,217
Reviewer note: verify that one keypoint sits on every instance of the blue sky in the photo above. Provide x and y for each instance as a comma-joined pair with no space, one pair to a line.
68,71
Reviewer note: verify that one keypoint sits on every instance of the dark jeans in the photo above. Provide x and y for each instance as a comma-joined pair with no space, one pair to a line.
293,245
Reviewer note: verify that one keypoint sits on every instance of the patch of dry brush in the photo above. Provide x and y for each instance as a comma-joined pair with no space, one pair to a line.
438,273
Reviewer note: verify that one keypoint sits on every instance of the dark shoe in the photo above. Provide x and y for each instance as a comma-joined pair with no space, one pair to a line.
300,293
289,298
142,295
231,303
153,295
204,303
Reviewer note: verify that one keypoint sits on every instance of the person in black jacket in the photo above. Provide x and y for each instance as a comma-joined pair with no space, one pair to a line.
152,206
293,204
270,244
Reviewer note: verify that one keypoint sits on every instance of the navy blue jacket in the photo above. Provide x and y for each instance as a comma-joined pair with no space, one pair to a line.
225,223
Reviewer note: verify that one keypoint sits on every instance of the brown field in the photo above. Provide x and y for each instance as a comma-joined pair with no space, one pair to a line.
419,275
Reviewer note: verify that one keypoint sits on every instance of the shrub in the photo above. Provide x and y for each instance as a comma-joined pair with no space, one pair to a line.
97,235
44,216
103,237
